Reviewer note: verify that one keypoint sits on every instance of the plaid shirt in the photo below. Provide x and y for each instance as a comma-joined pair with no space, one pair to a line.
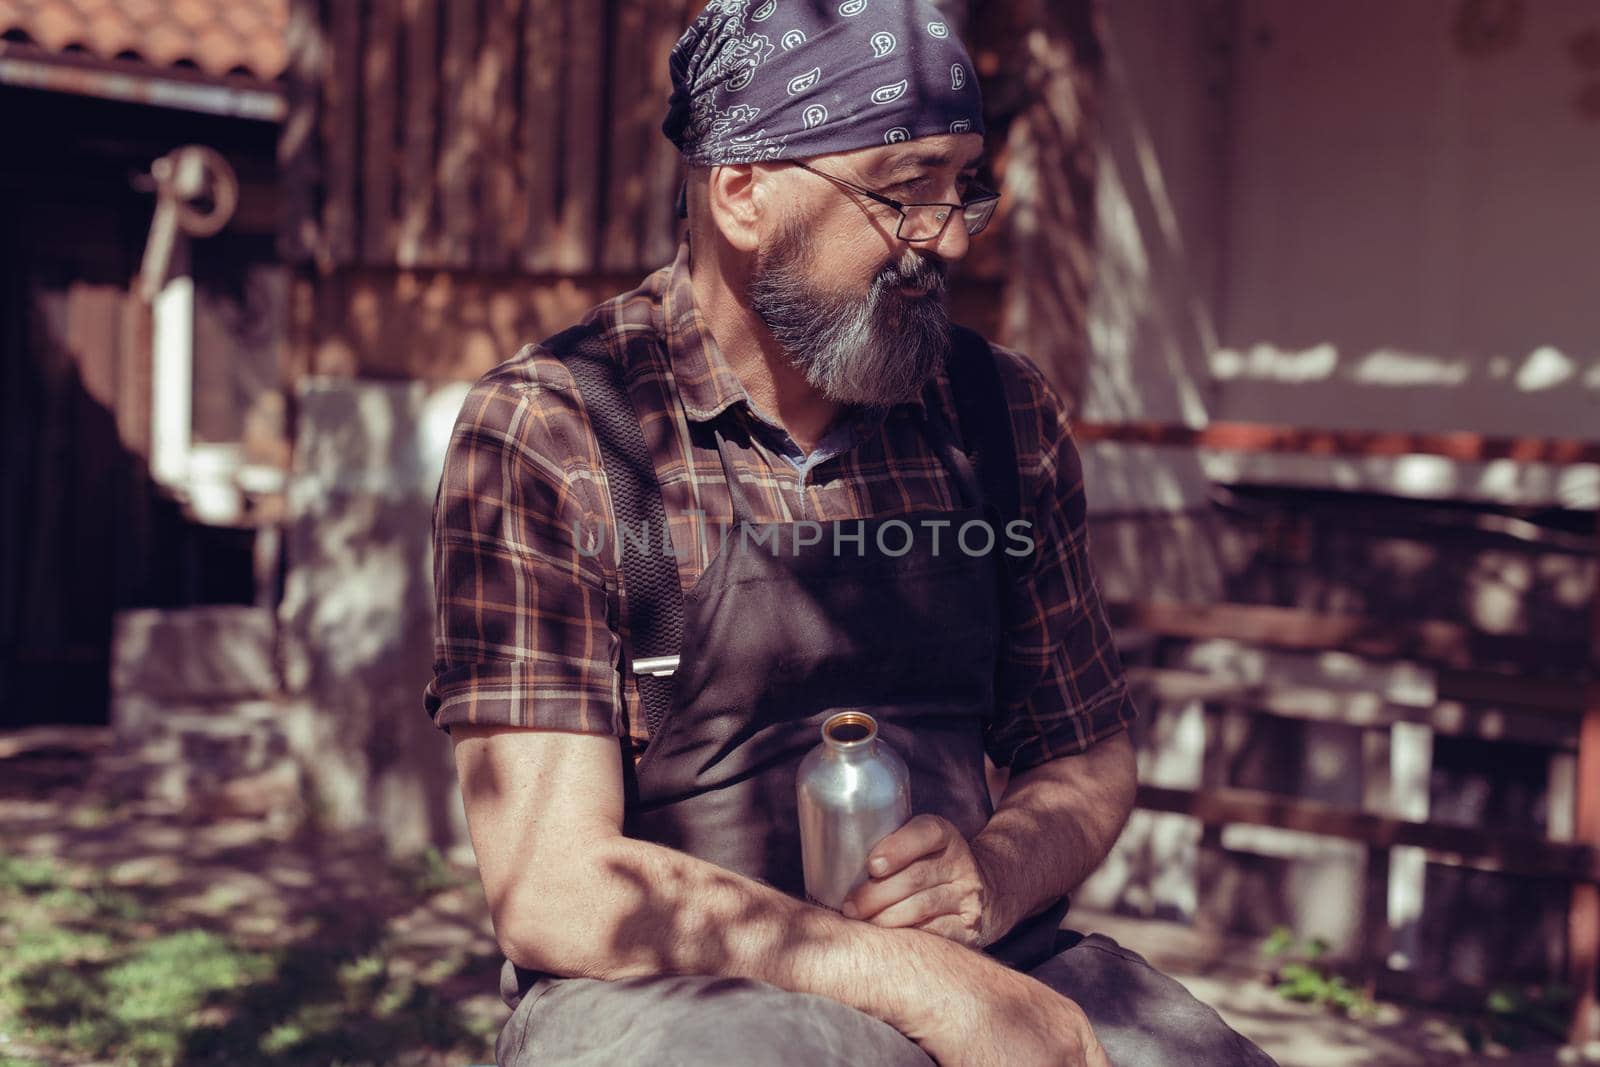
529,632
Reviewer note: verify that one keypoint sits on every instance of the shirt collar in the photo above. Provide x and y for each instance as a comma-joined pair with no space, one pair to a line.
706,384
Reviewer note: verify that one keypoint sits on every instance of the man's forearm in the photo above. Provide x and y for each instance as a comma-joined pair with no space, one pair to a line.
1053,826
626,908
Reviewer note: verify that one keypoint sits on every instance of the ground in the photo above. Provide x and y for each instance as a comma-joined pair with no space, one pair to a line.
133,935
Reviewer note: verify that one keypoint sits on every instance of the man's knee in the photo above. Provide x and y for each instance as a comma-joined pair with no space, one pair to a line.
1141,1016
694,1019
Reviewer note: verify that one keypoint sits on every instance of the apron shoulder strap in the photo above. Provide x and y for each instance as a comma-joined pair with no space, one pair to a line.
655,597
985,418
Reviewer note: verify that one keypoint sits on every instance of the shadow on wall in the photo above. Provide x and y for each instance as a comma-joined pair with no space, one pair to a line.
357,613
437,325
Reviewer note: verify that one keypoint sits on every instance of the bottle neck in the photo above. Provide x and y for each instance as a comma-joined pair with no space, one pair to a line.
852,751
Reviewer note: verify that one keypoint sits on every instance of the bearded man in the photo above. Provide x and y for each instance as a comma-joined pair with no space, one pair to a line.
643,619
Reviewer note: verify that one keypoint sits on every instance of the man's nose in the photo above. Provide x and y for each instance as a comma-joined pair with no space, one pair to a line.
953,241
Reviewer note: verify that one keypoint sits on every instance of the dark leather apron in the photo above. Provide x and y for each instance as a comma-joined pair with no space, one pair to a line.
779,634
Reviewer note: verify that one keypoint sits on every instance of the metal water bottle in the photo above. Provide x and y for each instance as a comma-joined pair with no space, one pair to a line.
853,791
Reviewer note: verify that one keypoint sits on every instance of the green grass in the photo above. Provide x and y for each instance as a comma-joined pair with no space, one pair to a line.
89,971
21,875
1301,977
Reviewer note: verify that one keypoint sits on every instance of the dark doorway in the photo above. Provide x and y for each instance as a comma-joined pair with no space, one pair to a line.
84,531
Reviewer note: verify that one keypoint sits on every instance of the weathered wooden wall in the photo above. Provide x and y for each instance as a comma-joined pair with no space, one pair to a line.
485,135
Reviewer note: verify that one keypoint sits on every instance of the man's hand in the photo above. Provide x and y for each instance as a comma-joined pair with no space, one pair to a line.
924,875
1010,1020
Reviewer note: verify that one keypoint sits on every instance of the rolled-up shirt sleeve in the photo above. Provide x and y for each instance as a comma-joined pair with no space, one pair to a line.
521,634
1060,687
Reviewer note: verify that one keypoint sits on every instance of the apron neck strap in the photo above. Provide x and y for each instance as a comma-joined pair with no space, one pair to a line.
741,510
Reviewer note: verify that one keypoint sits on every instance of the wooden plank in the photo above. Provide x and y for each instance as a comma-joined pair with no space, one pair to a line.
340,123
1432,641
501,215
1461,846
299,148
419,141
577,230
381,62
630,111
662,169
1489,722
462,112
1226,733
539,128
1263,437
34,739
1551,695
1377,937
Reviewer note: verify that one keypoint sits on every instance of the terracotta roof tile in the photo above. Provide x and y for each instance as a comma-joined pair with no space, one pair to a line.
217,36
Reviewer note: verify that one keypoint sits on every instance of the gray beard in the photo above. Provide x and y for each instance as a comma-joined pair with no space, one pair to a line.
876,352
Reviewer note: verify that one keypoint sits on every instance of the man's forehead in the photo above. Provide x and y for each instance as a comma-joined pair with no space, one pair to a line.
961,150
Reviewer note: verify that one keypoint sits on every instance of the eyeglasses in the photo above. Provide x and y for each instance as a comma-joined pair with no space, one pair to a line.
925,222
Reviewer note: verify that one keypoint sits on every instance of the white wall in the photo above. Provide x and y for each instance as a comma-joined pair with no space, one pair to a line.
1412,230
1330,215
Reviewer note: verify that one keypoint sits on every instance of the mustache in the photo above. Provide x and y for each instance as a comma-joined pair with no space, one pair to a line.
914,272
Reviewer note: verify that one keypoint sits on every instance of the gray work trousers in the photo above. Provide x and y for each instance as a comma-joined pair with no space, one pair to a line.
1142,1017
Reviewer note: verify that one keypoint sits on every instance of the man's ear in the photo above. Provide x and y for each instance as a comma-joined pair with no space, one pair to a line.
734,199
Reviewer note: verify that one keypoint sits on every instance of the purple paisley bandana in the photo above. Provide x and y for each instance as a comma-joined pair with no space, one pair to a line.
782,79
